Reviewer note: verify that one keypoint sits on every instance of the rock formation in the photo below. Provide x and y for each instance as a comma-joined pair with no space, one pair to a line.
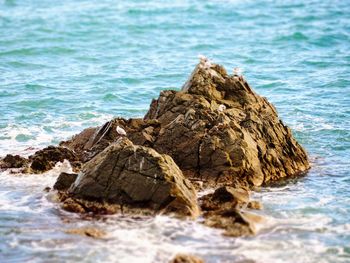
136,176
220,131
216,132
217,129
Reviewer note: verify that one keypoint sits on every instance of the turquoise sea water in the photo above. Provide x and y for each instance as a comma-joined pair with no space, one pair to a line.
66,65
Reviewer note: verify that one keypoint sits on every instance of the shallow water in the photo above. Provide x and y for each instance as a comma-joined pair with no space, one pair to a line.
67,65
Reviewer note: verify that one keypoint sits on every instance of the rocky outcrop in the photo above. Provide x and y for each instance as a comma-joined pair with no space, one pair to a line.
138,177
220,131
217,129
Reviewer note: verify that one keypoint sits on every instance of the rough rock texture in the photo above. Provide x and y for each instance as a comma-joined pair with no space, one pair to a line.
45,159
217,130
92,141
185,258
222,209
13,161
136,176
64,181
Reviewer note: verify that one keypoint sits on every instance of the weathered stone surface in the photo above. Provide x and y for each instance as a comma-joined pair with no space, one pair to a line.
186,258
13,161
64,181
219,130
136,176
45,159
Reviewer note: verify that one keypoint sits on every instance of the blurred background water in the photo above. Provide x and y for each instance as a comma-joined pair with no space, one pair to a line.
66,65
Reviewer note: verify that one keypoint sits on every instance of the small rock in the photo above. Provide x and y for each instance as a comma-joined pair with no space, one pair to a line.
186,258
45,159
222,209
13,161
87,231
254,204
225,196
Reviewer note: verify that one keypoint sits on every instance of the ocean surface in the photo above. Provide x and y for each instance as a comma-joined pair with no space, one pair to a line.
66,65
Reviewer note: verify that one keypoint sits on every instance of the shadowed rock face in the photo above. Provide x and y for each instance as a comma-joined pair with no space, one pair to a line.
136,176
64,181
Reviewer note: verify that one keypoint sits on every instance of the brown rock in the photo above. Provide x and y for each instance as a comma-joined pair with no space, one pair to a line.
64,181
254,204
137,177
222,209
217,129
79,143
13,161
81,206
225,196
87,231
92,141
186,258
45,159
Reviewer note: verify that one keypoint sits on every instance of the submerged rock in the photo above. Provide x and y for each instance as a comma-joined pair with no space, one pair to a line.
87,231
186,258
138,177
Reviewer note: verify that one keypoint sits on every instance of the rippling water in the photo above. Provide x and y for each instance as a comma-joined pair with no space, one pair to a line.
66,65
